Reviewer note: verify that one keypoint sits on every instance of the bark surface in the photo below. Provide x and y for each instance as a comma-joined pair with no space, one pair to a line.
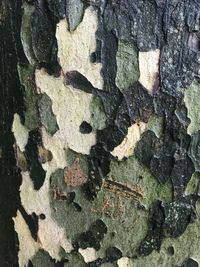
99,133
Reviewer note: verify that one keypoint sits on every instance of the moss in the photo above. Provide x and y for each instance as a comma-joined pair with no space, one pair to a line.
27,78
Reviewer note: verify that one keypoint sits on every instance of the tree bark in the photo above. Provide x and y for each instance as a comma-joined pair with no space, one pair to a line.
99,133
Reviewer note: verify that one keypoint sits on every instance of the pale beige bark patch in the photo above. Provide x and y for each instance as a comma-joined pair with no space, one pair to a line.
124,262
50,235
149,68
89,254
75,48
27,246
126,148
71,107
20,132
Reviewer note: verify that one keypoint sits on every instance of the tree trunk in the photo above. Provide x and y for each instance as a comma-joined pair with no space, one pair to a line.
99,133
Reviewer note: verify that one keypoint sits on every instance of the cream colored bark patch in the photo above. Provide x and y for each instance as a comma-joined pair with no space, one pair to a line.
27,246
124,262
149,68
75,48
56,146
71,107
53,237
20,132
126,148
50,235
89,254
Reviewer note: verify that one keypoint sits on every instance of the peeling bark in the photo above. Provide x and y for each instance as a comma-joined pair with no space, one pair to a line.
99,133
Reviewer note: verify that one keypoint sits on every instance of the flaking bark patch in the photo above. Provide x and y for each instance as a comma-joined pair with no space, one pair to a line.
73,175
100,53
44,155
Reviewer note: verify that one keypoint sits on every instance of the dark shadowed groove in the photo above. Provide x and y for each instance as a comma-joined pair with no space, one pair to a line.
11,101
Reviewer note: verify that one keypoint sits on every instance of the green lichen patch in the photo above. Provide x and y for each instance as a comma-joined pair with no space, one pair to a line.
47,117
27,79
127,65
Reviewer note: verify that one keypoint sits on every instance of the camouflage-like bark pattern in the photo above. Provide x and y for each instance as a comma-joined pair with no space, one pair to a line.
108,141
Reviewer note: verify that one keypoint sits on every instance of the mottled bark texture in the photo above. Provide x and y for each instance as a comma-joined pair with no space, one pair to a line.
100,133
